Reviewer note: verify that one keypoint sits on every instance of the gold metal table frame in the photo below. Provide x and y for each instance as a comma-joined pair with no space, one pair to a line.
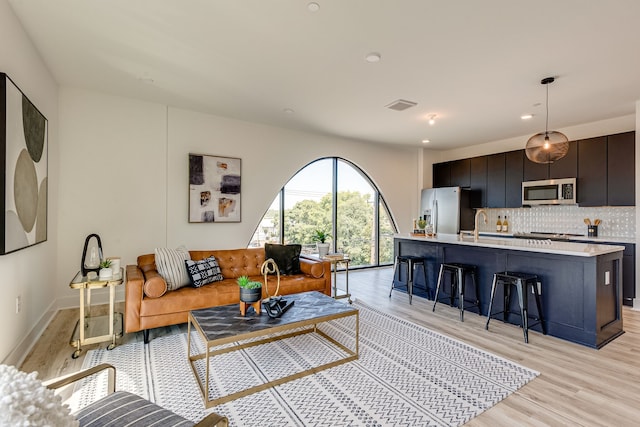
302,327
113,328
335,260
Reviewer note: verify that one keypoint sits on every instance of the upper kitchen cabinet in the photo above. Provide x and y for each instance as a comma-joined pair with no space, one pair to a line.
592,172
621,179
460,173
566,167
496,180
514,174
534,171
442,174
479,180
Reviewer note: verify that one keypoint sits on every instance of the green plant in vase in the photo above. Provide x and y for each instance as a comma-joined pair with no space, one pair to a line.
321,237
250,290
105,269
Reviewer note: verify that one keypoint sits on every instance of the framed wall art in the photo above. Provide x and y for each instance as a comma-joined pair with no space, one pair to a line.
23,159
214,188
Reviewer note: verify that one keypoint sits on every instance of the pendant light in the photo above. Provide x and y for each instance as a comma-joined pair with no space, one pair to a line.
547,146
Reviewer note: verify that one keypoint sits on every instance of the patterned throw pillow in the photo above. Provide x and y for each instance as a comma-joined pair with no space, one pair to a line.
170,265
203,272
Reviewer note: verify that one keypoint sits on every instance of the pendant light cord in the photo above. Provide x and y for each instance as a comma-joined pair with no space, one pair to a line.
546,125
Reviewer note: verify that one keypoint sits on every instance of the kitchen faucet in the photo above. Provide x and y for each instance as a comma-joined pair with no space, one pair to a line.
475,223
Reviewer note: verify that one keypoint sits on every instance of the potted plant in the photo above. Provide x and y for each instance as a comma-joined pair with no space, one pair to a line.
250,290
321,236
105,269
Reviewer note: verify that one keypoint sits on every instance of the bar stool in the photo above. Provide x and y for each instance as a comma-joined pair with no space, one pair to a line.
458,272
522,282
411,262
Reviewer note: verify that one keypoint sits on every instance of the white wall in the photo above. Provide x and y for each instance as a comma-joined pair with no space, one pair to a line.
29,273
138,153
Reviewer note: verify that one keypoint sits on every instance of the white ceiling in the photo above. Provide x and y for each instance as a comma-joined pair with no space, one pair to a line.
477,65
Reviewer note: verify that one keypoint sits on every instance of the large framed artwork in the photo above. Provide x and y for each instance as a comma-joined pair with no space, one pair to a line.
214,188
23,159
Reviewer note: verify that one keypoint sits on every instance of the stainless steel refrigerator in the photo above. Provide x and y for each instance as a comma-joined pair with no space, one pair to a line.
448,209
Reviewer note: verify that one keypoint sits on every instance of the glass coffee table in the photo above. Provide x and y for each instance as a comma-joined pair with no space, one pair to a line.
220,326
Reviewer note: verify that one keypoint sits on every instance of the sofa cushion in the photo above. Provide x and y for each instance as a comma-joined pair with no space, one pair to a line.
155,287
124,408
204,271
287,257
170,264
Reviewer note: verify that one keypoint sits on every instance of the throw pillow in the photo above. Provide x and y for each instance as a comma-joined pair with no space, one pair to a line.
155,287
204,271
287,257
170,265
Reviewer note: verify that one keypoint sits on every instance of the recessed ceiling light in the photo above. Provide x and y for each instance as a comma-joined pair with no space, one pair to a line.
313,7
425,141
526,116
432,119
288,111
373,57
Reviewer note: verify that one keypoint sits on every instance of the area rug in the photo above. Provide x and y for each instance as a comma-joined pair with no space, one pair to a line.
406,375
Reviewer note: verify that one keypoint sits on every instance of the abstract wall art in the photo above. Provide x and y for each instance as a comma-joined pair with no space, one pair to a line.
23,159
214,188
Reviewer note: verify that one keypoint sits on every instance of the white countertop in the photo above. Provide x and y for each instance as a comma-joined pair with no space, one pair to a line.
542,246
605,239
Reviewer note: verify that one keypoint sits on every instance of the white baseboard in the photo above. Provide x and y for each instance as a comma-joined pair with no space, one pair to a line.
20,352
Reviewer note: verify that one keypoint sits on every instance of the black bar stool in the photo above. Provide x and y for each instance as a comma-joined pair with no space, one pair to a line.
458,272
411,261
522,282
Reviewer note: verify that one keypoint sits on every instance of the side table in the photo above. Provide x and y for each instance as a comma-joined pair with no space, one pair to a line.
336,259
95,329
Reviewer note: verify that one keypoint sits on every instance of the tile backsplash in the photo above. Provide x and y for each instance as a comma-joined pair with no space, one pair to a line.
616,221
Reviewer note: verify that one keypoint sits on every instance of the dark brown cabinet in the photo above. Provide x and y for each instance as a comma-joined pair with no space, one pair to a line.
592,172
628,274
496,180
441,175
566,167
621,180
534,171
514,173
479,180
604,168
460,173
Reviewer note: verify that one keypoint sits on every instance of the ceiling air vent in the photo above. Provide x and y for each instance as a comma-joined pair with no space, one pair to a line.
401,105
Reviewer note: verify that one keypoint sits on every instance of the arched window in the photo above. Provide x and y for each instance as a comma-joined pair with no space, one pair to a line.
335,196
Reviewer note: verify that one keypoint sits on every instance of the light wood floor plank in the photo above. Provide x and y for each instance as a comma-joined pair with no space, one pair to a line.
577,386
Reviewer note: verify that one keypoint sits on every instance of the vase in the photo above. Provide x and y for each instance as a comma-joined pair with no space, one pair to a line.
323,249
250,295
105,273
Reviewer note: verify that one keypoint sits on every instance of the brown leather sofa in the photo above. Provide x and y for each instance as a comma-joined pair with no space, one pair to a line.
147,306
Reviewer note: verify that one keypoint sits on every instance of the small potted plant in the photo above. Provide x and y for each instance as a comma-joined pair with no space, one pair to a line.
105,269
321,236
250,290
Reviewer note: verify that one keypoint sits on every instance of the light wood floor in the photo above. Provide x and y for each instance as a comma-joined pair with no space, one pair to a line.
577,386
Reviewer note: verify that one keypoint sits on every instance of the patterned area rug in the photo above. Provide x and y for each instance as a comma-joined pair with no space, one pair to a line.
406,376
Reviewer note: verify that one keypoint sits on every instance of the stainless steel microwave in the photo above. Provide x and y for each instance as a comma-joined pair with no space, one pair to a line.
549,192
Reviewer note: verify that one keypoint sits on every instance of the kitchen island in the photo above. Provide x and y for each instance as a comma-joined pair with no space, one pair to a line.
581,283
